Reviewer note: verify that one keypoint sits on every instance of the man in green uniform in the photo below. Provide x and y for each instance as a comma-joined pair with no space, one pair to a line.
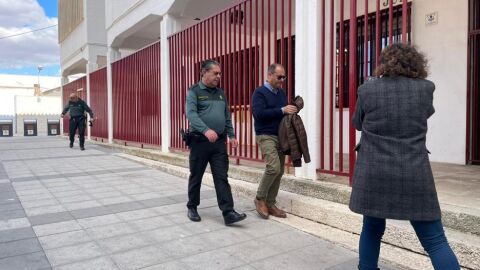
210,125
77,108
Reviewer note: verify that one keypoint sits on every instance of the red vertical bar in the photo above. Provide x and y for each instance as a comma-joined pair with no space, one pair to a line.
353,84
378,34
184,78
474,98
322,85
275,32
250,79
366,38
204,41
180,86
221,52
123,133
282,41
290,52
332,83
469,83
177,90
262,57
197,53
257,53
269,33
217,48
172,91
341,78
214,37
390,22
230,61
236,69
212,40
207,38
404,21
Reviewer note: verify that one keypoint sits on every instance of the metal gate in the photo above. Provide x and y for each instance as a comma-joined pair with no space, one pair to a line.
78,86
98,103
473,95
136,97
350,50
245,39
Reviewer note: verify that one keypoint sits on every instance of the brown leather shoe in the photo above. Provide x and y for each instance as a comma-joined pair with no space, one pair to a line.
277,212
262,208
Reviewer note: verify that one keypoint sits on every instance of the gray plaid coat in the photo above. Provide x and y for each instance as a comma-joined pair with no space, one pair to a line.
392,177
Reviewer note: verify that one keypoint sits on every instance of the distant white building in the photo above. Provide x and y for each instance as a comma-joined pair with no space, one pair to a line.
20,96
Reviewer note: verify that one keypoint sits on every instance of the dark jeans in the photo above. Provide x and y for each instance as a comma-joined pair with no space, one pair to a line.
431,236
203,152
77,122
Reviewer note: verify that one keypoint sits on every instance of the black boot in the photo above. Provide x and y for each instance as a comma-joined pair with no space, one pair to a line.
71,145
232,217
193,215
82,148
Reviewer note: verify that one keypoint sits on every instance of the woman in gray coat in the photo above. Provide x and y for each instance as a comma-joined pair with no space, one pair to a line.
393,178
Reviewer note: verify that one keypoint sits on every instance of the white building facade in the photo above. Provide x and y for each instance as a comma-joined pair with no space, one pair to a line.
21,95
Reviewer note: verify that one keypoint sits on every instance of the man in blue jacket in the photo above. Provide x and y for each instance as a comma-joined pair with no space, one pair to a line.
269,105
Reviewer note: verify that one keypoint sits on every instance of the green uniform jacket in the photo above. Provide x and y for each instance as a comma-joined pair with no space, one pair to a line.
207,108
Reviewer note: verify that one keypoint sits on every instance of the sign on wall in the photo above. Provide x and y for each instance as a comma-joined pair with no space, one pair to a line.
386,3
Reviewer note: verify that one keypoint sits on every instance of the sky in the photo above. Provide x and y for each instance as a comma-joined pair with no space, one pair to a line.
22,54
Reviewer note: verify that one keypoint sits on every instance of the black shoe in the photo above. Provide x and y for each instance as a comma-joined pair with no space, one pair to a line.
82,148
71,145
193,215
233,217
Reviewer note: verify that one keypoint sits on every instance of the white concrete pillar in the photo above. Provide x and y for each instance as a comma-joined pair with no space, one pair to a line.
63,81
307,78
112,55
168,26
91,67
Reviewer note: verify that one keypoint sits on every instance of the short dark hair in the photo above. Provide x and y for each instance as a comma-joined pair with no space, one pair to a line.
207,65
271,69
401,59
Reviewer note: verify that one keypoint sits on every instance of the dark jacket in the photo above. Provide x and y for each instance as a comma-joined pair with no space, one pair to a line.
392,176
293,137
267,110
77,109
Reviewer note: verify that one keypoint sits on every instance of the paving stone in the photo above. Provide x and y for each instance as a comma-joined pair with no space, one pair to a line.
36,260
19,247
72,254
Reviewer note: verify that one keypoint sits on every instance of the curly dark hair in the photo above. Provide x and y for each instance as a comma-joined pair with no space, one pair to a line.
402,60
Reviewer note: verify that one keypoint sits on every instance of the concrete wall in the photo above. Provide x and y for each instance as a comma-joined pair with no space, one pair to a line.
7,99
26,105
73,45
87,41
122,15
445,45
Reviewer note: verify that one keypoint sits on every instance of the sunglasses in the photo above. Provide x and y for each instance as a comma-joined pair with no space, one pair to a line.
281,78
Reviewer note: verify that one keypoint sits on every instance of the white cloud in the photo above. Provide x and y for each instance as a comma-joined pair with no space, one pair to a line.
38,48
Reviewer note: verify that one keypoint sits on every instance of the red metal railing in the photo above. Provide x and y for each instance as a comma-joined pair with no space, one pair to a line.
98,103
78,86
136,97
349,63
245,39
473,90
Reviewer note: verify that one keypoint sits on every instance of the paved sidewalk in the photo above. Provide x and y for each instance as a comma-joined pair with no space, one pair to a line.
61,208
